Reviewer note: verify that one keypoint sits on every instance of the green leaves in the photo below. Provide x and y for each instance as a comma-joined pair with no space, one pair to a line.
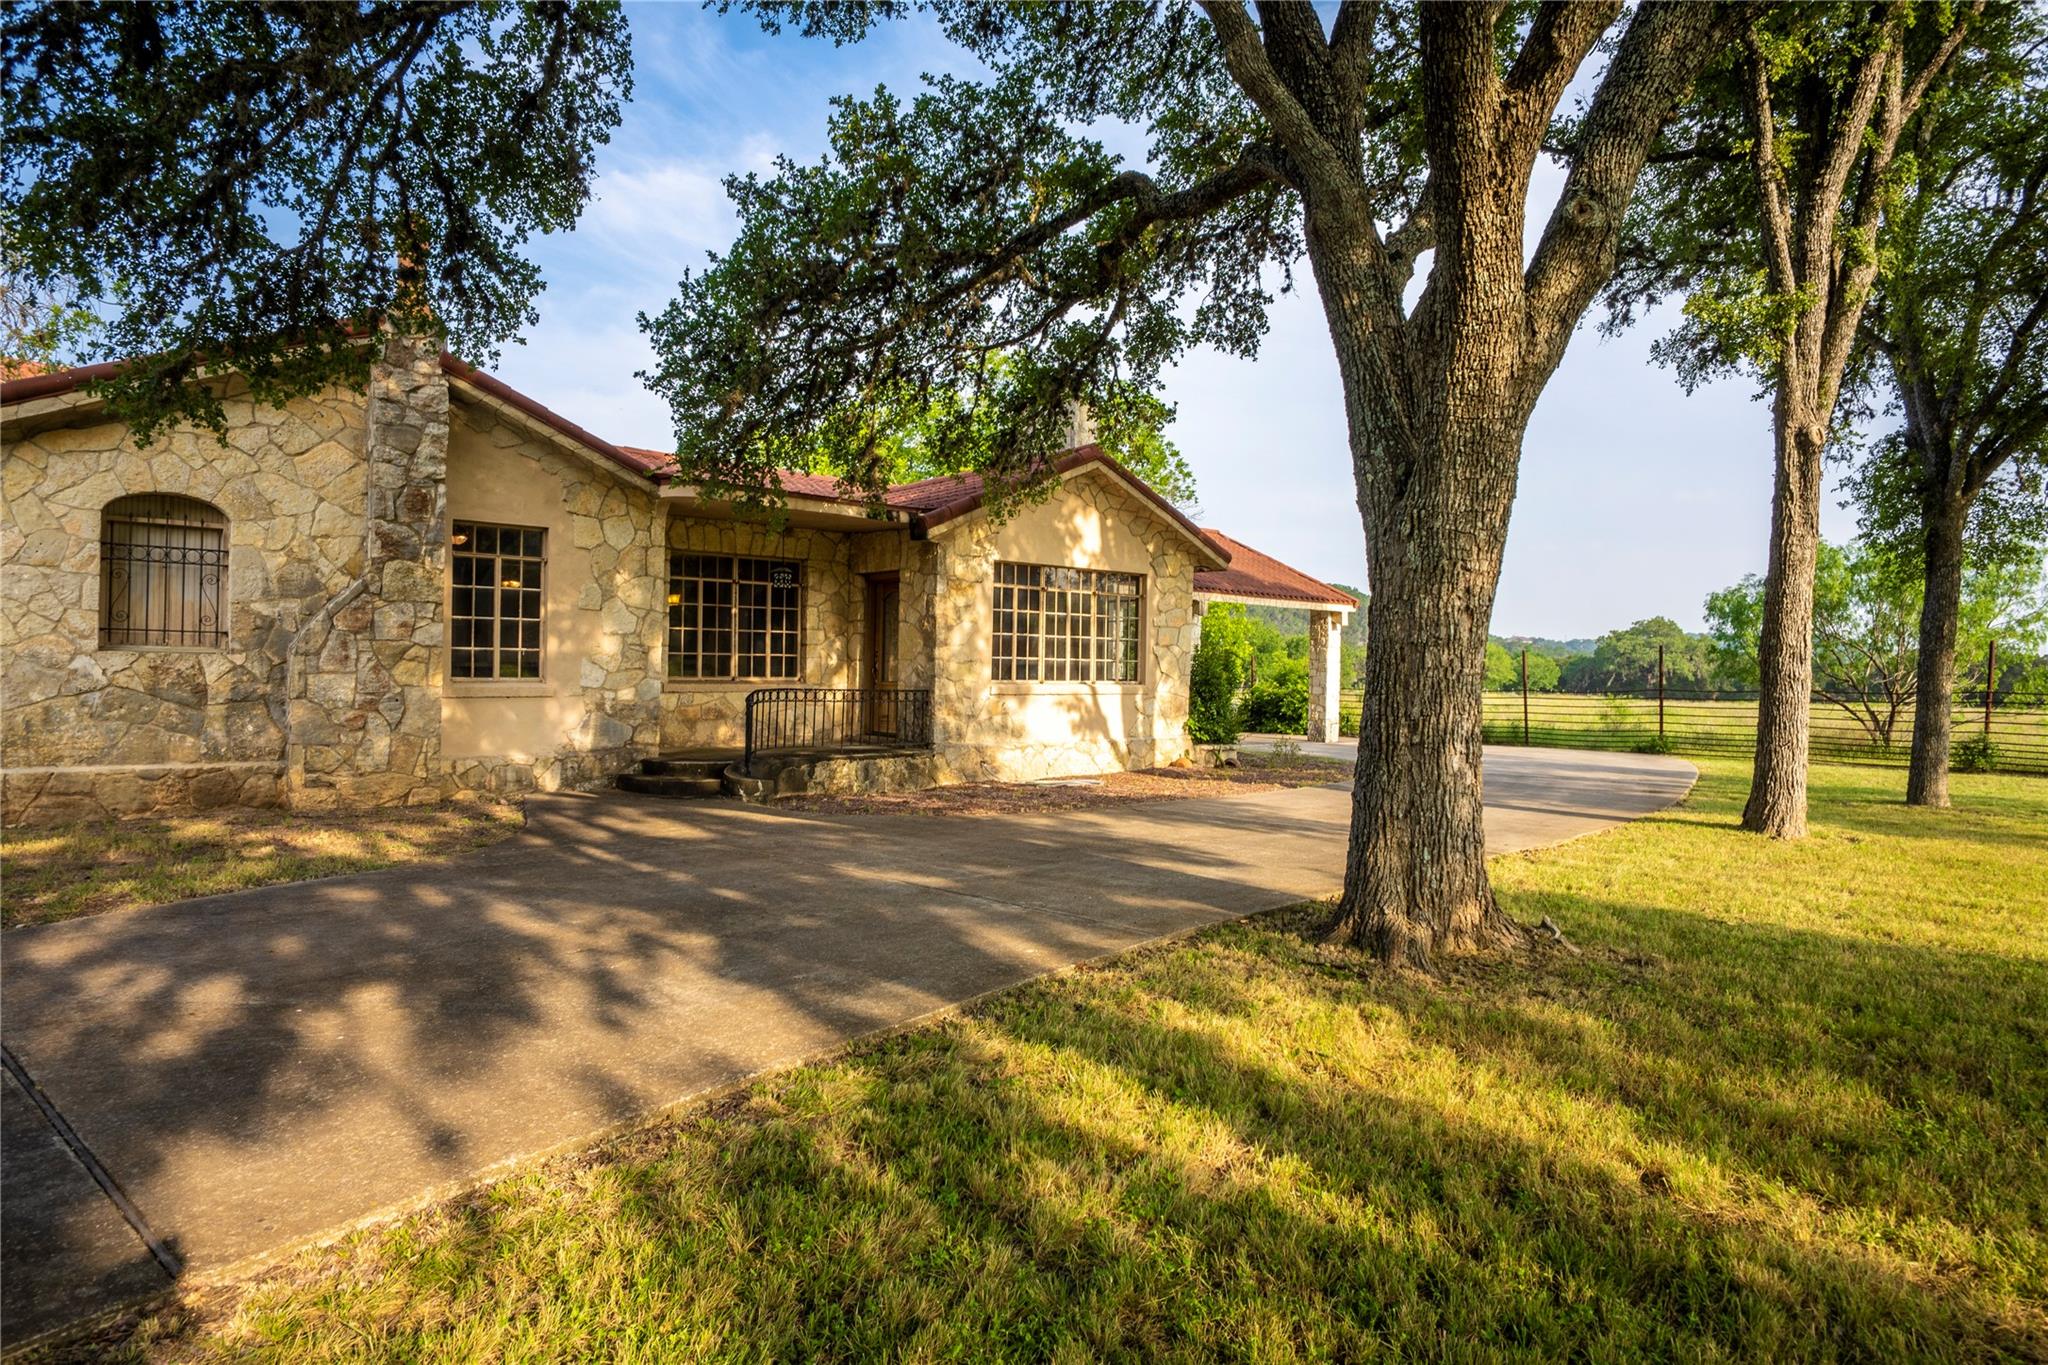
255,185
966,261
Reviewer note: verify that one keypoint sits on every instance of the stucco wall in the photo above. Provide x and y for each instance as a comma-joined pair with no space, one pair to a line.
596,707
88,732
706,714
985,730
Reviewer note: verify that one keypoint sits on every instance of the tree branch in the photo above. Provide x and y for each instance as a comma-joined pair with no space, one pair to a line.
1326,175
1651,71
1770,177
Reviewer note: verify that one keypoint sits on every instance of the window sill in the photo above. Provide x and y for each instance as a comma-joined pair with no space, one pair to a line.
727,684
1066,689
164,649
485,687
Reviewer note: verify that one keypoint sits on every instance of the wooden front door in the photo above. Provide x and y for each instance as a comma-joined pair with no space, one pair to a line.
883,601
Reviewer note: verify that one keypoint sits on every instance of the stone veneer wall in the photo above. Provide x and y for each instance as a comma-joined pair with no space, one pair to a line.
364,681
713,714
987,732
599,710
89,733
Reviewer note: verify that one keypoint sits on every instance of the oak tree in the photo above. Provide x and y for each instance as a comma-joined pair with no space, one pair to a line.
1391,149
1764,207
256,184
1958,335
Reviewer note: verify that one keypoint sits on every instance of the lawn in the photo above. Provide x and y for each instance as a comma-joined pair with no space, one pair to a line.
1786,1101
2017,738
67,871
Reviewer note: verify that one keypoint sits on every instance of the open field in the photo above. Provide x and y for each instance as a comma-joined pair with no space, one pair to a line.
2018,731
1787,1101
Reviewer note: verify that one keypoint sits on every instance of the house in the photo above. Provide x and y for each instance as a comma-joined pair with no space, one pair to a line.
439,585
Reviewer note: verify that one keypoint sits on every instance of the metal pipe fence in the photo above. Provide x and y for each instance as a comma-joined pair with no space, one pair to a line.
788,720
1993,730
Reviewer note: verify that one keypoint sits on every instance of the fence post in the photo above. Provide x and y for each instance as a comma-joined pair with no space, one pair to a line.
1525,696
1990,685
1660,692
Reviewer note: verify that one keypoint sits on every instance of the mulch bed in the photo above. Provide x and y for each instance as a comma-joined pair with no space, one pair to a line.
1256,773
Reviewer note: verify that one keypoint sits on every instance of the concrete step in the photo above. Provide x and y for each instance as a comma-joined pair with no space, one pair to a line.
669,784
683,767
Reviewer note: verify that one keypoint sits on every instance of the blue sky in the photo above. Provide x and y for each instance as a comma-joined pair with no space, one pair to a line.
1635,499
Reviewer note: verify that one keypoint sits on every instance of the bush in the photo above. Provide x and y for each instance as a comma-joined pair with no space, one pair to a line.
1278,704
1217,675
1976,755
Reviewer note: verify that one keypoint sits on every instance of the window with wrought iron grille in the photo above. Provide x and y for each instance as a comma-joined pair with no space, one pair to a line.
734,618
1065,625
163,571
494,613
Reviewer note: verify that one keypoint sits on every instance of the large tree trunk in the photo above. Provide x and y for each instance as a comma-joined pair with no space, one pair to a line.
1777,793
1436,480
1941,603
1415,882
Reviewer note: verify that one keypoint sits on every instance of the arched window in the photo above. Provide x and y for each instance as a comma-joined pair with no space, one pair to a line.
163,563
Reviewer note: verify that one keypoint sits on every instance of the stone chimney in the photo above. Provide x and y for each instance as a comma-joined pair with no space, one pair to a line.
1080,424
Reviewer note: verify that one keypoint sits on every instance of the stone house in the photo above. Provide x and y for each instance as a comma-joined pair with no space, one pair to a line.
439,585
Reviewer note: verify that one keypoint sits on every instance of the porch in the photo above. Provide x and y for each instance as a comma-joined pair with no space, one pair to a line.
805,739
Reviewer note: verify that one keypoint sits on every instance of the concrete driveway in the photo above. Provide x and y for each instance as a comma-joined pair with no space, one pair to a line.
254,1070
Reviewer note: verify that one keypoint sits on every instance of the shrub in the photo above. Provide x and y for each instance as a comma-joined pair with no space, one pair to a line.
1278,704
1217,675
1975,755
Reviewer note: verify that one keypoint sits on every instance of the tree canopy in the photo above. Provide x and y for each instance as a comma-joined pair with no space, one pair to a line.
1867,600
1625,660
256,184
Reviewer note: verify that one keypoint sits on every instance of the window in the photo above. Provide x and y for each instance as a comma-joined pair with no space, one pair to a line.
733,618
494,614
162,562
1065,625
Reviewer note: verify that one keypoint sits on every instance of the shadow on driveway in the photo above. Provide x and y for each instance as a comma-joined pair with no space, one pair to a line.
259,1068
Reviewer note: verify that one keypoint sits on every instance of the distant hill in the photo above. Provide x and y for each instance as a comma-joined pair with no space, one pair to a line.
1556,649
1294,620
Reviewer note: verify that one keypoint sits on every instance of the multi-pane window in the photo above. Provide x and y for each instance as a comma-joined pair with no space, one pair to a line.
162,562
733,617
494,613
1065,625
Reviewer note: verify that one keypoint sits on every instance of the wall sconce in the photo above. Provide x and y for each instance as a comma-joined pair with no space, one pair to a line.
509,583
458,539
675,599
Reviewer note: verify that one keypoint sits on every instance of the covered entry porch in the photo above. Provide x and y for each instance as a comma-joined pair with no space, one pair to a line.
1255,579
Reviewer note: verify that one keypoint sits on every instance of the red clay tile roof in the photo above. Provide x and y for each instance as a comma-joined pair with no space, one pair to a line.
936,501
21,388
505,393
65,381
1255,575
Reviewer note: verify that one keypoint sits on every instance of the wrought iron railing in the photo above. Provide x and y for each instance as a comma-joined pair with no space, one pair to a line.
827,719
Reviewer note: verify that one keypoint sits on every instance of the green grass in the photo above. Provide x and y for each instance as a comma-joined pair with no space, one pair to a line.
1788,1101
2018,734
83,869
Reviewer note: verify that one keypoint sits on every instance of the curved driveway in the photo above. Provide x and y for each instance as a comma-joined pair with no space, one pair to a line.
260,1068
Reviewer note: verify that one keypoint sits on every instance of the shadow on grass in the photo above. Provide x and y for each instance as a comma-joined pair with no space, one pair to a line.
1247,1147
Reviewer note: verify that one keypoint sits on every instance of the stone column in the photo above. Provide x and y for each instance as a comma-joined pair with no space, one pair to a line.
1325,655
365,690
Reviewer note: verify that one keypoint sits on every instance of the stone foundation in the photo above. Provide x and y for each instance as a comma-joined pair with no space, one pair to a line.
47,796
